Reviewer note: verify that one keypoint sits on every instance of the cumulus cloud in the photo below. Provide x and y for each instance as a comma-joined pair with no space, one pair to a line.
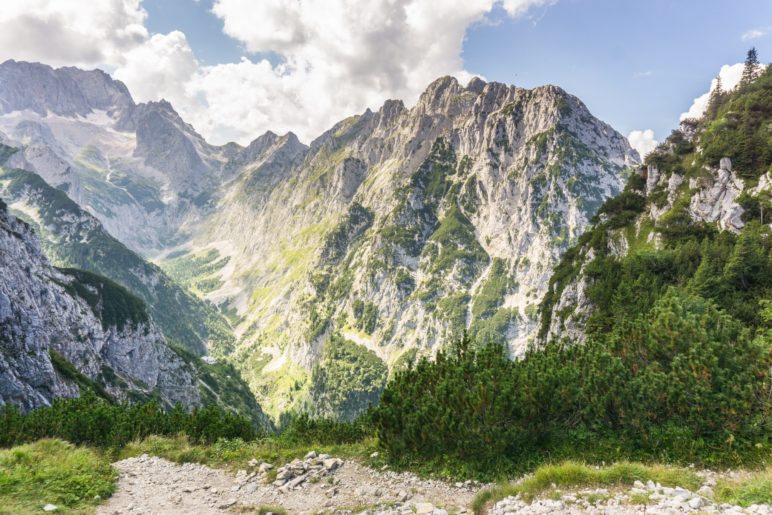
335,57
159,68
642,141
67,32
730,77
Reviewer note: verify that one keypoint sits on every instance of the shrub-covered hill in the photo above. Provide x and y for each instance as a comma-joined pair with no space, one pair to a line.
656,329
696,218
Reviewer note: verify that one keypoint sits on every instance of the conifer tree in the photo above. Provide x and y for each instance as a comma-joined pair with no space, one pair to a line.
714,102
751,67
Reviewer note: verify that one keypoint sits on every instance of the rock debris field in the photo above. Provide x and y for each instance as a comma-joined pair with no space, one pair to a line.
325,484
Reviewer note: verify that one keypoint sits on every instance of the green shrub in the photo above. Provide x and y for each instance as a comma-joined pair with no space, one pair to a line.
683,382
93,421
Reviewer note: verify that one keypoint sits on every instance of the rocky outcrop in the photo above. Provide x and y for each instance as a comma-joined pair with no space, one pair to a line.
718,202
711,198
55,321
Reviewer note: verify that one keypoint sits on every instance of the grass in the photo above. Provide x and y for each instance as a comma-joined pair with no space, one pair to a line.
235,454
53,472
572,474
640,498
755,489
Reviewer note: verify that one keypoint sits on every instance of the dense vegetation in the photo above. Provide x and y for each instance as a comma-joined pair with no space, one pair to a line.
94,421
684,382
347,380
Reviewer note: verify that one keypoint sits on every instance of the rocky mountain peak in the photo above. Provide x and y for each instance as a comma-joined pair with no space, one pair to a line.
438,95
62,91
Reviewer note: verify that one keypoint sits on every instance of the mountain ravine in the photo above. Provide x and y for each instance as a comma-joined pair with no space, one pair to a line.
339,262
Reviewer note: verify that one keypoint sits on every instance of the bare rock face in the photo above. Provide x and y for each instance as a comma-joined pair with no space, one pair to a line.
49,317
66,91
399,228
718,203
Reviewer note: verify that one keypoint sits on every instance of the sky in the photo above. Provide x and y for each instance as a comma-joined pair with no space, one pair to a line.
237,68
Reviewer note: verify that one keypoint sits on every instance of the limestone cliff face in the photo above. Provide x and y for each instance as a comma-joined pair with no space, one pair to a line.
399,229
50,318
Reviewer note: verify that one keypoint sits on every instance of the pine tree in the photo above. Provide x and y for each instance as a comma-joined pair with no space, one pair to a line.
714,102
751,67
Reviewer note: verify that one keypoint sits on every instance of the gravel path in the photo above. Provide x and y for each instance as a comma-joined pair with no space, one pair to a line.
155,485
658,500
323,484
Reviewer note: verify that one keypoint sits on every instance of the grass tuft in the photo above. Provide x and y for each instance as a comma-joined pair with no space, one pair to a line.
571,474
756,489
53,472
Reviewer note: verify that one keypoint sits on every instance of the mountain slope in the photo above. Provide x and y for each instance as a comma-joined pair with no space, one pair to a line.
73,238
697,217
63,330
337,263
397,230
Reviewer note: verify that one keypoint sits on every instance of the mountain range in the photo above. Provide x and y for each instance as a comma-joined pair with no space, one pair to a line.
315,270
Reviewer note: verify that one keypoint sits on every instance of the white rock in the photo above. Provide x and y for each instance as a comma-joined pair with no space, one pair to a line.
50,507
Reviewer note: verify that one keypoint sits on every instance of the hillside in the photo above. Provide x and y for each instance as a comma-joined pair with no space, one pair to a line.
697,217
65,331
73,238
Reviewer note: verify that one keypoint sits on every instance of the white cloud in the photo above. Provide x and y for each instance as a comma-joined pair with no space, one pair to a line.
70,32
642,141
755,33
159,68
519,7
730,77
338,57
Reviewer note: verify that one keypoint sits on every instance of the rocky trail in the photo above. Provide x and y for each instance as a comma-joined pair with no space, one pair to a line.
317,484
324,484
